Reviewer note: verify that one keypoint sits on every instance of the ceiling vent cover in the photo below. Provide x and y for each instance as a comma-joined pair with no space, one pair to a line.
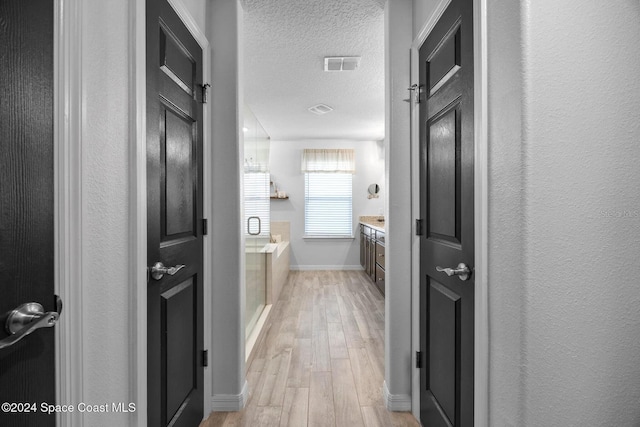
341,63
320,109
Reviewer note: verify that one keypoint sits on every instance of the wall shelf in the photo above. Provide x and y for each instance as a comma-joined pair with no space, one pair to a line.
279,198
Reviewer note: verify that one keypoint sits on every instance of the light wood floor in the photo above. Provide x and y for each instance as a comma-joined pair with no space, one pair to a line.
321,362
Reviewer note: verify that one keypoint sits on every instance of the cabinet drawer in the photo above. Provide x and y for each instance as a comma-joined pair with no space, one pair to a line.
380,254
380,279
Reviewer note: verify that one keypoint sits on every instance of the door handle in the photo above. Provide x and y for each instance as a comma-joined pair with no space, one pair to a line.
26,319
259,226
462,271
159,270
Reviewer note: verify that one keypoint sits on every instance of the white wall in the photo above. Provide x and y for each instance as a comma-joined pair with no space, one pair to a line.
228,290
563,135
105,212
507,304
285,161
107,125
398,356
197,10
582,212
422,11
564,212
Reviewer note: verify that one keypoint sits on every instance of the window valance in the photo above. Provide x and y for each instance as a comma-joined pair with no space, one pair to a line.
336,160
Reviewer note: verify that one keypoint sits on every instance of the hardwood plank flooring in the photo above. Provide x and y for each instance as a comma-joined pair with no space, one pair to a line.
321,362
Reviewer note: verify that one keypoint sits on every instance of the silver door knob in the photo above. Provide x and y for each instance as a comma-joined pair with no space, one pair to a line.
462,271
159,270
26,319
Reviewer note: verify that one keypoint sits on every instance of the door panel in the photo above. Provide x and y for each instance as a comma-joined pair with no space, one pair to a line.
178,306
446,205
174,213
27,368
177,138
443,176
444,342
445,61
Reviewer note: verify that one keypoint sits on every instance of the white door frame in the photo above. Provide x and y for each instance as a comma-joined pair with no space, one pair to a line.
481,332
69,205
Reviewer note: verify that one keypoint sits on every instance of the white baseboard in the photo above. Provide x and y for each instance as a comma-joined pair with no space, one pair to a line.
395,402
324,267
230,402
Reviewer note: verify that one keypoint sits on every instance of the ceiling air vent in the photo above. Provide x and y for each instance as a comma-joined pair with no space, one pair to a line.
320,109
341,63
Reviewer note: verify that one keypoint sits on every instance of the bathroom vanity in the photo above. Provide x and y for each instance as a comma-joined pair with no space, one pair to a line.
372,249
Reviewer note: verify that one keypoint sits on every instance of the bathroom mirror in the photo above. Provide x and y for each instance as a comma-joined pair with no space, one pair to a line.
373,190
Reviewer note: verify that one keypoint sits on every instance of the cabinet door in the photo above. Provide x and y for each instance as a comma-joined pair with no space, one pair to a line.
372,259
362,249
367,255
380,254
380,279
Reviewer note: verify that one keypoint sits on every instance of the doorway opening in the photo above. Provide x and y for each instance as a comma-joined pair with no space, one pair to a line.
314,83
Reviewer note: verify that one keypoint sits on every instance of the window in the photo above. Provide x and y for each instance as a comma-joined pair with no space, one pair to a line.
327,205
256,203
328,178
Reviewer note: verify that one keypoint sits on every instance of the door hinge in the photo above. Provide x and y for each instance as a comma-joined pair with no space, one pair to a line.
417,92
205,358
418,227
205,90
205,226
418,359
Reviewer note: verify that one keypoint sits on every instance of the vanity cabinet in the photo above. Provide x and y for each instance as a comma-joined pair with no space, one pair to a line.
372,255
363,251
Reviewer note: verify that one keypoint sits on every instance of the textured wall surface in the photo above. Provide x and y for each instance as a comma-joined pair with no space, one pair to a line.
285,160
507,306
106,42
227,353
582,213
398,357
564,212
105,242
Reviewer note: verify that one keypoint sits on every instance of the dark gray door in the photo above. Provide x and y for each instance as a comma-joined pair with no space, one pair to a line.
446,188
174,217
27,368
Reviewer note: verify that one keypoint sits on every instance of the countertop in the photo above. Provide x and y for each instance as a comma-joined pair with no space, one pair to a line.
373,222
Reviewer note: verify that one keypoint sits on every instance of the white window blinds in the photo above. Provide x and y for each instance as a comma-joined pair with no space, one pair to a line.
257,203
328,192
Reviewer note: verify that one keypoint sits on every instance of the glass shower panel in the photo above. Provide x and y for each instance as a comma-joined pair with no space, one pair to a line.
256,217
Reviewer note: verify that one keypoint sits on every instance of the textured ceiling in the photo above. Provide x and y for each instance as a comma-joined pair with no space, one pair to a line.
285,42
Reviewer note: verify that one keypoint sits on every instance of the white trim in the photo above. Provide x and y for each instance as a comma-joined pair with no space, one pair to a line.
138,201
67,122
230,402
426,29
481,209
395,402
325,267
138,213
186,18
481,186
